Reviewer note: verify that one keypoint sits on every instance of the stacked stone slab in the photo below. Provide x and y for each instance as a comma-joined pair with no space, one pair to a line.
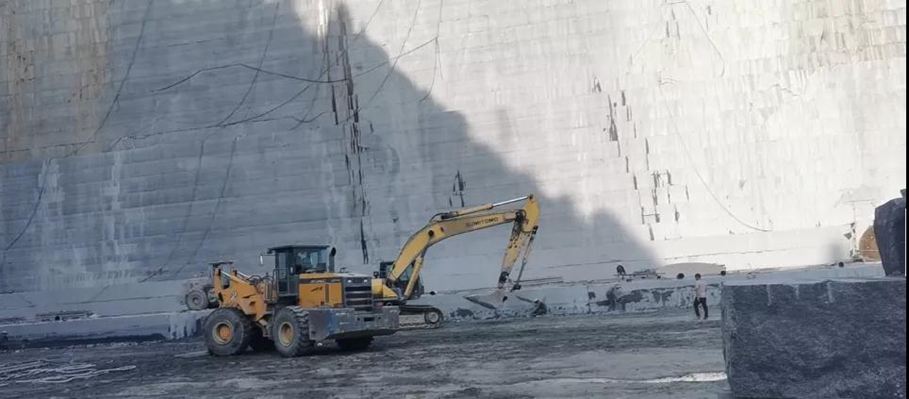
826,339
890,233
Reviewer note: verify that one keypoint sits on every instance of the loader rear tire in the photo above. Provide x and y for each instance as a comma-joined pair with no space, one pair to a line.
227,332
354,344
290,332
196,299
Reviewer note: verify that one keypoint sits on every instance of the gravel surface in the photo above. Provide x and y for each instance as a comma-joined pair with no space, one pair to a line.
657,355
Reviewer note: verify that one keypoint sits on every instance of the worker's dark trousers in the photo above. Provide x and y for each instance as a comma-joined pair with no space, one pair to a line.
700,302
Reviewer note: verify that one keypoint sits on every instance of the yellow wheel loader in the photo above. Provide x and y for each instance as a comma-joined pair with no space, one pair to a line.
305,301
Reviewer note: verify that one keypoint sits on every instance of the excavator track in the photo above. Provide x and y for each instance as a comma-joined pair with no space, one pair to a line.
415,323
415,317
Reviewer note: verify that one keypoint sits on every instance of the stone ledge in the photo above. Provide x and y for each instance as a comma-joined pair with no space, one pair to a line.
118,328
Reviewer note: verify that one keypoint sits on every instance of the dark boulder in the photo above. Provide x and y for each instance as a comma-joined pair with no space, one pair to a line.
890,233
829,339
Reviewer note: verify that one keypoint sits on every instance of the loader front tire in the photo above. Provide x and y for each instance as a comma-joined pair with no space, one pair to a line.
290,332
227,332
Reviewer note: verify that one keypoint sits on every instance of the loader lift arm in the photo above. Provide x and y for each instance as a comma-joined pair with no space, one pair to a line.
445,225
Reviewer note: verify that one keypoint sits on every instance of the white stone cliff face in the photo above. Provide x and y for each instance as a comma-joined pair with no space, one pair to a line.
140,140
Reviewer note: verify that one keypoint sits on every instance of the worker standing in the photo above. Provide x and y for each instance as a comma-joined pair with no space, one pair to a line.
700,296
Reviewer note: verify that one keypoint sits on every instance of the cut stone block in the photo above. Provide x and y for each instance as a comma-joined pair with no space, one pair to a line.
825,339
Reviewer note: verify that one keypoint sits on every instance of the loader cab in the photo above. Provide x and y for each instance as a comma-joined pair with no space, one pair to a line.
293,260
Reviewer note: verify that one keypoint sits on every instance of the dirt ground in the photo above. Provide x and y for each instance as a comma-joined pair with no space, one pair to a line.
656,355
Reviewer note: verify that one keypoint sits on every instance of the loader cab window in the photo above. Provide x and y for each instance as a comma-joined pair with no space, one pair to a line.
313,260
292,261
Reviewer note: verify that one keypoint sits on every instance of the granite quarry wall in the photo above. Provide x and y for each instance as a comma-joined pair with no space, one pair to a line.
140,140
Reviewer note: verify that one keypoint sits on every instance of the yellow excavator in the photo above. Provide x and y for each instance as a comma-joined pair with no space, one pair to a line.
306,300
398,282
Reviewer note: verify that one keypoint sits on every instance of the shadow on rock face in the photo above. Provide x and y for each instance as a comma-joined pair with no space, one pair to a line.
244,126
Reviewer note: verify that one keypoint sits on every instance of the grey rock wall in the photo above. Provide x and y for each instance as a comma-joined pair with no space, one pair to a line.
140,140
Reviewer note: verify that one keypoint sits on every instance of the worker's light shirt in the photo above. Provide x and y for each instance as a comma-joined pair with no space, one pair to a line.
700,288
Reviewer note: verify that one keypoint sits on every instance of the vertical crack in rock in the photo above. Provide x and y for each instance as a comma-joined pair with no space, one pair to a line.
613,130
344,99
457,190
363,246
647,154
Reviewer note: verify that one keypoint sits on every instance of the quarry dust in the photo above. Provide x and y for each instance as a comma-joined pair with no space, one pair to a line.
666,354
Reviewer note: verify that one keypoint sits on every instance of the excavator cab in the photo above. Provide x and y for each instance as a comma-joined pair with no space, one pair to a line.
401,283
293,260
